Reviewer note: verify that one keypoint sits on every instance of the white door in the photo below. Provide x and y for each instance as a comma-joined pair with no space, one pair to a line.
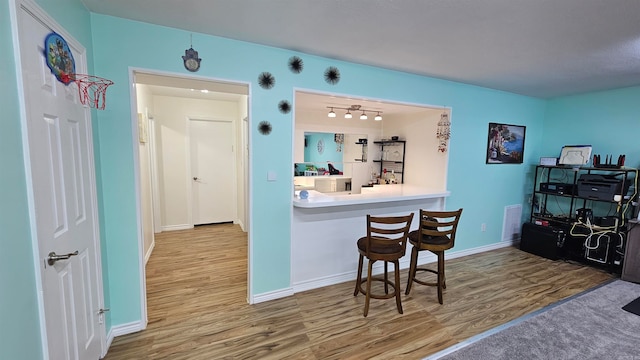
63,198
213,170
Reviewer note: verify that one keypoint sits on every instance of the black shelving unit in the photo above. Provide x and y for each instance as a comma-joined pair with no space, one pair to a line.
363,143
566,185
392,157
599,240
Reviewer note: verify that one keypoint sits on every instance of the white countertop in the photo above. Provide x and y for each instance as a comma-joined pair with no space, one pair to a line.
377,194
322,177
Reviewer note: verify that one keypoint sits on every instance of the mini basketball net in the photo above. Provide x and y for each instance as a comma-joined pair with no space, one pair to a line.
91,89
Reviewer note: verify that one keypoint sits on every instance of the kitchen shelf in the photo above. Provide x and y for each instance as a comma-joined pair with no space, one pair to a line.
395,164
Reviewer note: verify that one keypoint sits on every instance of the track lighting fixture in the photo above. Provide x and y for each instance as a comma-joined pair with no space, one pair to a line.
348,114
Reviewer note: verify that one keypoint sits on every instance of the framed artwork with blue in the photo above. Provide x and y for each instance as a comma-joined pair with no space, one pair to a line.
505,144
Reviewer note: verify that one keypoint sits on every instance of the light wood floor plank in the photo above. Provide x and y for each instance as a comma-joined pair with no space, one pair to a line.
197,291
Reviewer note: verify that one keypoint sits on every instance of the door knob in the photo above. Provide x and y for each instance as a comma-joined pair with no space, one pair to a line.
53,257
195,178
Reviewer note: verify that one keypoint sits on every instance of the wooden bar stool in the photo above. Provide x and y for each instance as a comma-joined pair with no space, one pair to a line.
386,241
436,233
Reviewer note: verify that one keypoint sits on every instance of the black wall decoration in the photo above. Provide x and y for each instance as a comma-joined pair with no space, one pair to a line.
296,64
332,75
264,127
266,80
284,106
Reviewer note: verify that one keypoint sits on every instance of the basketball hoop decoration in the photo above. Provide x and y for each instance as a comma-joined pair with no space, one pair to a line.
91,89
59,57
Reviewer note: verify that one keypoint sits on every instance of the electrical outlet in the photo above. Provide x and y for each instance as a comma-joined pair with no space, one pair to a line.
483,227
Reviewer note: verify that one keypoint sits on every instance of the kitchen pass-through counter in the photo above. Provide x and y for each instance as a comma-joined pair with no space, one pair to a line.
368,195
325,227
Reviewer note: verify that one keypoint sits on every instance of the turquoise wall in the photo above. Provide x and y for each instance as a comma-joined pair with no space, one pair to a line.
121,44
329,153
608,120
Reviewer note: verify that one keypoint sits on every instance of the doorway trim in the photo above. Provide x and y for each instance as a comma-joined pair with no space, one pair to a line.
136,167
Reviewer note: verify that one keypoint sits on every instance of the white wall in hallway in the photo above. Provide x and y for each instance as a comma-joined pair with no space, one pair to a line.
171,114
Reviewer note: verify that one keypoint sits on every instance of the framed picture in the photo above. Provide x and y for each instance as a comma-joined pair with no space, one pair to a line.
505,144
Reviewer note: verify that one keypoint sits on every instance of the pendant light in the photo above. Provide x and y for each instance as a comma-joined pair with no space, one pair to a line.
355,108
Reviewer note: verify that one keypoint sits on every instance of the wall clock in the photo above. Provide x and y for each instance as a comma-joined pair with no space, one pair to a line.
320,146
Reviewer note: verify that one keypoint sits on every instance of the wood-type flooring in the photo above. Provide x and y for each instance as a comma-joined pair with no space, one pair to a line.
197,307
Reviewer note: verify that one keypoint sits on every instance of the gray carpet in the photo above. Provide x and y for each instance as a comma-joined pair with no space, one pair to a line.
591,325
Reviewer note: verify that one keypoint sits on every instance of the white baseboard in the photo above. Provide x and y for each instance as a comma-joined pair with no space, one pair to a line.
128,328
241,225
177,227
481,249
110,338
424,257
148,254
271,295
324,281
123,329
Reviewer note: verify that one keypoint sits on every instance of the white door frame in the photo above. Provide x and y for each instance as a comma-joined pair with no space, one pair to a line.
39,14
153,161
136,169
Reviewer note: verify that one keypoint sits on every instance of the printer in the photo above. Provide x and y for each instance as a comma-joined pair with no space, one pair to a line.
600,187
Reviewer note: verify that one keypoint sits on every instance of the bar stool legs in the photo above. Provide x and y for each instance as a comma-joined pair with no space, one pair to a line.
385,279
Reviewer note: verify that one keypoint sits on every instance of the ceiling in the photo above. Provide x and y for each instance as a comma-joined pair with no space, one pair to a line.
540,48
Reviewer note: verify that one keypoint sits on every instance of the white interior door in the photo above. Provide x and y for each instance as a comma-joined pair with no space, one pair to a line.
213,170
63,199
